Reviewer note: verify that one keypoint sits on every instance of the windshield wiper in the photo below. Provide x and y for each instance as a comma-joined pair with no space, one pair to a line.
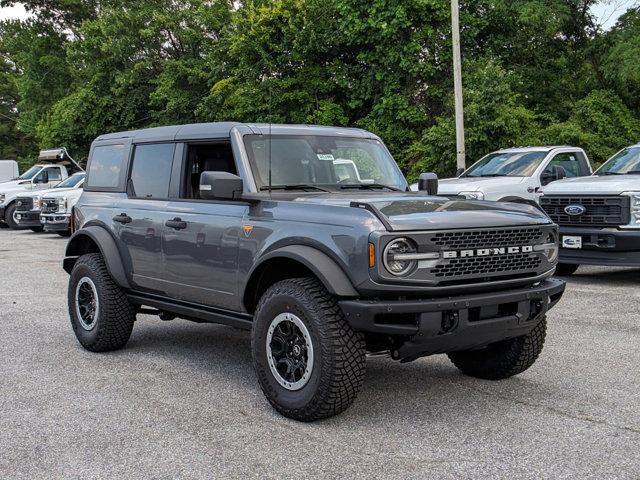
299,186
492,175
369,186
612,173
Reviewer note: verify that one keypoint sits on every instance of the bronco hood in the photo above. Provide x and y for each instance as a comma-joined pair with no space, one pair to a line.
405,211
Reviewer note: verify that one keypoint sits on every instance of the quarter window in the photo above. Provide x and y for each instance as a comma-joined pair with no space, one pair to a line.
107,162
151,170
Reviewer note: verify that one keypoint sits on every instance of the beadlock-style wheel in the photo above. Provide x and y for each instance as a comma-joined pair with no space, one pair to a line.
289,351
87,303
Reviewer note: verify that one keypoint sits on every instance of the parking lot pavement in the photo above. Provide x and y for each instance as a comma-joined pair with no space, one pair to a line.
181,400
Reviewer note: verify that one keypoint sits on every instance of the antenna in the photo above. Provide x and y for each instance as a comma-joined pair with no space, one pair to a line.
269,141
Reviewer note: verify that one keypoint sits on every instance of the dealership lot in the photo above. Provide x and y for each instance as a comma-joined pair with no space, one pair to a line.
182,401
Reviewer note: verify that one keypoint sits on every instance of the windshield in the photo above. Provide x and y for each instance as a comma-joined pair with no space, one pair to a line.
623,162
29,174
318,162
501,164
71,182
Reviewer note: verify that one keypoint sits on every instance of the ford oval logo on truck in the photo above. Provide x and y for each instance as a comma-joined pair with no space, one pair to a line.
574,210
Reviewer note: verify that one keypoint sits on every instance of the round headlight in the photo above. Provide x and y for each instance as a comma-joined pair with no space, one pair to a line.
397,256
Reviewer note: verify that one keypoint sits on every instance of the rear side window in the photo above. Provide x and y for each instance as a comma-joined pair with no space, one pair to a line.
107,162
151,170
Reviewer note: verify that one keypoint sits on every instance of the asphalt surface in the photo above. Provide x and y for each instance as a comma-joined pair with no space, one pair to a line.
181,400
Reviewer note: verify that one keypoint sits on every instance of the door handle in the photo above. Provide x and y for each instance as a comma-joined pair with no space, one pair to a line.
176,223
122,218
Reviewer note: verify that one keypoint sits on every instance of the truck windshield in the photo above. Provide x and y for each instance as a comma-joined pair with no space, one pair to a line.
70,182
317,163
507,164
624,162
29,174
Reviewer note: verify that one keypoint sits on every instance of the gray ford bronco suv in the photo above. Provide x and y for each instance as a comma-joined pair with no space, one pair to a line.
308,237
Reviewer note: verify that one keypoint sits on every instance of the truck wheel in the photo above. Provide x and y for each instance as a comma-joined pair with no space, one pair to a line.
101,315
36,229
502,359
309,362
64,233
10,218
566,269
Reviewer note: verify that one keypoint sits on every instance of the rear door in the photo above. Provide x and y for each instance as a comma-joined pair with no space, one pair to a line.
201,237
141,215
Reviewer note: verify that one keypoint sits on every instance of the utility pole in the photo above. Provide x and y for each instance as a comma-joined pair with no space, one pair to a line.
457,84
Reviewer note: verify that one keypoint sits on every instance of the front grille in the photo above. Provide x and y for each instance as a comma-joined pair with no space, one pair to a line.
49,205
24,204
488,238
514,263
599,211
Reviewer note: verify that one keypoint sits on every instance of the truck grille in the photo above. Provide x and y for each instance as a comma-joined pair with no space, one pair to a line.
514,263
487,238
24,204
599,211
49,205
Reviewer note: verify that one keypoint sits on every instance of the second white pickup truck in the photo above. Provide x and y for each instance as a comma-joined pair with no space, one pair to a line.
517,174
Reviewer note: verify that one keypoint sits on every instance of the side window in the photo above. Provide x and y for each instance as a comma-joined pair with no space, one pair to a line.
151,170
568,161
54,174
200,158
105,167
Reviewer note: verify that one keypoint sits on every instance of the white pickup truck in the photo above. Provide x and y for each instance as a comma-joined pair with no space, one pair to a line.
517,174
53,167
599,216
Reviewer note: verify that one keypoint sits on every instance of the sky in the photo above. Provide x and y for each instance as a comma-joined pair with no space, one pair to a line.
607,12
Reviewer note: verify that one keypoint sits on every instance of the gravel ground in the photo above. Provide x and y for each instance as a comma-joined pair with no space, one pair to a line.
181,400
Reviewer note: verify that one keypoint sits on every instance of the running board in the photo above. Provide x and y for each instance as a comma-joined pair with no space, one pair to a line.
193,311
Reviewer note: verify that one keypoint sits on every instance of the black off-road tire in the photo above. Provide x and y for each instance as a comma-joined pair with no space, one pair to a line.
502,359
566,269
9,220
36,229
64,233
339,352
115,314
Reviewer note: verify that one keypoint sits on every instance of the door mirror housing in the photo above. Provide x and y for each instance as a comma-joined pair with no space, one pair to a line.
428,182
42,178
459,172
220,186
555,173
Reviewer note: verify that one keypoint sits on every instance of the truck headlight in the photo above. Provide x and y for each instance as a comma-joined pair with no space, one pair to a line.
634,221
62,204
550,248
398,256
36,203
472,195
2,197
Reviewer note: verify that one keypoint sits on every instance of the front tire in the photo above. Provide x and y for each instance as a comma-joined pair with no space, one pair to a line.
309,362
502,359
101,315
36,229
566,269
10,218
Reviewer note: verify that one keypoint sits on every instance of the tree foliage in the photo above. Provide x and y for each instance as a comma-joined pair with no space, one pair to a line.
533,71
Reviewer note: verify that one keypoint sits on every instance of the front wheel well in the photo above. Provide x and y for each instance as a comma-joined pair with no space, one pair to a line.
269,273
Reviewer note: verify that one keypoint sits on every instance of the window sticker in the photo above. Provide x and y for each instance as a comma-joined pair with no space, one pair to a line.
325,156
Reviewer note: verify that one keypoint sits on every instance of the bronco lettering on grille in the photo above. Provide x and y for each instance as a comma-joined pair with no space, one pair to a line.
484,252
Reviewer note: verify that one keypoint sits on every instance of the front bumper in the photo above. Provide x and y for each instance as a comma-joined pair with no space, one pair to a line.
28,219
441,325
55,222
603,246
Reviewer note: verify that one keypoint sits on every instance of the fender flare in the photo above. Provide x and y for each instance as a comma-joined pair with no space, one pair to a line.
108,249
324,267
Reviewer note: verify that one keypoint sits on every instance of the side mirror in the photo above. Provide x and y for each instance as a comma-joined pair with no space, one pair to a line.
42,178
555,173
428,182
220,186
459,172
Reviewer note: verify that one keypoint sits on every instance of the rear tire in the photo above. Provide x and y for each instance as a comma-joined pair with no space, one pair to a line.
9,218
36,229
101,315
300,313
566,269
502,359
